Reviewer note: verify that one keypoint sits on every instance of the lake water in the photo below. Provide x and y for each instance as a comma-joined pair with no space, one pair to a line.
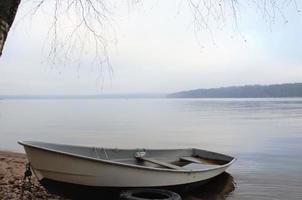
265,135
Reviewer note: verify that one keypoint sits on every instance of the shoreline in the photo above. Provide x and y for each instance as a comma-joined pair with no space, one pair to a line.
12,168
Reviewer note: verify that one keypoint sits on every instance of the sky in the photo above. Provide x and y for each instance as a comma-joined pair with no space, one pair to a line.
155,47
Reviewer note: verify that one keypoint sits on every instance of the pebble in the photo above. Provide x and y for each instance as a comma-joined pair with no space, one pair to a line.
11,179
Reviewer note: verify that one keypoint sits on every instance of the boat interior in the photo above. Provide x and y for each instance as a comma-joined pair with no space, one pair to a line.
175,159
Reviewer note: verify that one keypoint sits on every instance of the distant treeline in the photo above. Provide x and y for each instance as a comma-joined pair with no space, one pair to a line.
248,91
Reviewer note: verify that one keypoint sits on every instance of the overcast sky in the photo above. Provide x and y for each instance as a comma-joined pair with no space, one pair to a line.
158,50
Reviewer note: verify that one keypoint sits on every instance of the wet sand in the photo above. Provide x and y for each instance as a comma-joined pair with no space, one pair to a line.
12,167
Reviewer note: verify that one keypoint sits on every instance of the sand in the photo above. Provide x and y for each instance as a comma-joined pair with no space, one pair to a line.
12,167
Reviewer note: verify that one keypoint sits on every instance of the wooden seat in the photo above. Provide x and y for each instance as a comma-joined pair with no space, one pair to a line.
191,159
164,164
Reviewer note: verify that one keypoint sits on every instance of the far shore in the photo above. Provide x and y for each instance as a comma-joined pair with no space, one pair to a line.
12,167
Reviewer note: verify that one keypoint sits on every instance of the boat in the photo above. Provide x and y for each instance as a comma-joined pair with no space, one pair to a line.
123,168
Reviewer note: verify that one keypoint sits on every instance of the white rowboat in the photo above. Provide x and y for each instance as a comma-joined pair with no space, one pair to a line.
105,167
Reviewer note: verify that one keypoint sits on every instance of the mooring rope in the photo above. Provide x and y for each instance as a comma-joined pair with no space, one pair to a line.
26,184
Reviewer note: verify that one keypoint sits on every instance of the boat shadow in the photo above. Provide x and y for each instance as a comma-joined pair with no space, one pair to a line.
217,188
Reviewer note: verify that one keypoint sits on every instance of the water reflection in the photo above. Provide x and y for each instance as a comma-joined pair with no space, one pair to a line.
218,188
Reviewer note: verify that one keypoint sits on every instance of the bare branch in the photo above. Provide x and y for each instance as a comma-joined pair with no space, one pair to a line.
78,28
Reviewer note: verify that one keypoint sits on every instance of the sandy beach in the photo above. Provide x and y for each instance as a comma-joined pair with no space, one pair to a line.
12,167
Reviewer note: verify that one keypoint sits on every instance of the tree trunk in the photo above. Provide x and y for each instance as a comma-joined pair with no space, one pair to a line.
8,10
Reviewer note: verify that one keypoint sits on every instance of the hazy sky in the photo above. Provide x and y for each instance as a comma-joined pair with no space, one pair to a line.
158,50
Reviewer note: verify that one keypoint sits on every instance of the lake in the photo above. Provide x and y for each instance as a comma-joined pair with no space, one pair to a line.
265,135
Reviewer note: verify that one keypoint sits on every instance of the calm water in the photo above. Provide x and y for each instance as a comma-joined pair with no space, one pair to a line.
265,135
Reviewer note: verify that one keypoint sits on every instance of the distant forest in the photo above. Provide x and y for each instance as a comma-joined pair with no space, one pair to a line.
248,91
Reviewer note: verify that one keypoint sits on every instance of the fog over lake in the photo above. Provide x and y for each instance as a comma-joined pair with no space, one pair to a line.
265,135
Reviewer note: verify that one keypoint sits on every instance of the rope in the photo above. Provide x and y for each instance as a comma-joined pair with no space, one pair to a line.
27,184
106,154
97,155
96,152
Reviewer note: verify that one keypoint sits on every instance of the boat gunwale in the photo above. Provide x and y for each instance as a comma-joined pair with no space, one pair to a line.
25,143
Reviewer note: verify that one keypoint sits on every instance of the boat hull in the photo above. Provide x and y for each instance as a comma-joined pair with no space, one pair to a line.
76,191
49,165
219,186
